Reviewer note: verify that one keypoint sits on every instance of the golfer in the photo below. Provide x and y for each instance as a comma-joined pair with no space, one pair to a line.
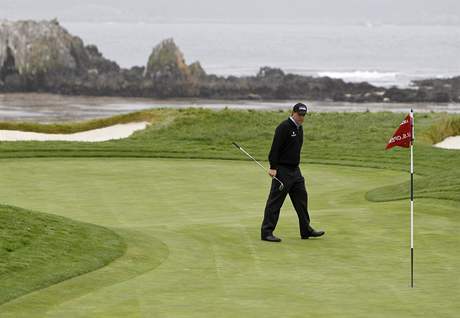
284,160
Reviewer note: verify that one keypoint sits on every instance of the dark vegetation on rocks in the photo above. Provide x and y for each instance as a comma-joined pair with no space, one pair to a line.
44,57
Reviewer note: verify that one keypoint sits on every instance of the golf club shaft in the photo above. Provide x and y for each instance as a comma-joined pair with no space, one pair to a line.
247,154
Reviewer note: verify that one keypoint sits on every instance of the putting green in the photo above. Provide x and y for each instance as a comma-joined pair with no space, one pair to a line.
192,230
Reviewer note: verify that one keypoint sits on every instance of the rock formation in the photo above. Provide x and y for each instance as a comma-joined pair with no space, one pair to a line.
44,57
36,54
169,74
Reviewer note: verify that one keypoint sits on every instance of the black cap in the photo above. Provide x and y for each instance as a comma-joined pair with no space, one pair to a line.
300,108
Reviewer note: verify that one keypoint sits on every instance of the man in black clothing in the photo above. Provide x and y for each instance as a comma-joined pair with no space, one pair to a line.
284,160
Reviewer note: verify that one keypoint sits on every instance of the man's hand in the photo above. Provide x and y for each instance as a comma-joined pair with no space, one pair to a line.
272,172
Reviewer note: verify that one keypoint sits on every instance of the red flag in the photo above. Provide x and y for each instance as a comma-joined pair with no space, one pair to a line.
403,135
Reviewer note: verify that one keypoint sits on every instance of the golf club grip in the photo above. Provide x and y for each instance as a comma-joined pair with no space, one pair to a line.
236,145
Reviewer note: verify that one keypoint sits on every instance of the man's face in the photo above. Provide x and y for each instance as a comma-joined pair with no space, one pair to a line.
298,118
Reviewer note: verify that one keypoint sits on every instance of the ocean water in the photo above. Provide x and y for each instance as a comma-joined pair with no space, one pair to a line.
383,55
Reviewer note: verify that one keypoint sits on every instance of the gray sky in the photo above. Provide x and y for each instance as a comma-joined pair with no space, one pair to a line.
271,11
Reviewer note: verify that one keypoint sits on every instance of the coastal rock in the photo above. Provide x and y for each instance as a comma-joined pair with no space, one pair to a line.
270,73
43,57
441,90
30,47
170,75
167,62
44,53
197,71
98,62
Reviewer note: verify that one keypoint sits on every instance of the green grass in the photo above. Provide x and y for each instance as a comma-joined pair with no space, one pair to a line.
446,126
192,230
351,139
192,226
38,250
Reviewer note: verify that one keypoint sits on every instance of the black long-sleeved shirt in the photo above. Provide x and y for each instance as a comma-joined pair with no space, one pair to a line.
286,145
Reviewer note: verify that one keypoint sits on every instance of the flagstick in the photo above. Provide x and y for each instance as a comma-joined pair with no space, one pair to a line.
404,137
412,203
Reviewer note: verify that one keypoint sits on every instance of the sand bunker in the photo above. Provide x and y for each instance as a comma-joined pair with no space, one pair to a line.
118,131
449,143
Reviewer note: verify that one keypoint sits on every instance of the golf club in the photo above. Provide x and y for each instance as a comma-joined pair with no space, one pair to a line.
281,187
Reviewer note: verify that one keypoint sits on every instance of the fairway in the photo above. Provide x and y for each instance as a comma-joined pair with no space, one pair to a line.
194,250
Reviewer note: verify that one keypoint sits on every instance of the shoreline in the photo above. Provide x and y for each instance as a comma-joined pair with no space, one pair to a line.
53,108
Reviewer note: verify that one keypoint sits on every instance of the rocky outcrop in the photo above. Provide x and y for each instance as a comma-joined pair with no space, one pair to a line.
43,56
38,55
36,47
439,90
167,62
168,72
197,72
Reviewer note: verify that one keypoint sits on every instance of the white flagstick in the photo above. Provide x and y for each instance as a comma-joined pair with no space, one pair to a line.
412,201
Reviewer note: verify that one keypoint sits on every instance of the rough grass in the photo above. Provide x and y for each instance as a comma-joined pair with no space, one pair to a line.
38,250
446,126
351,139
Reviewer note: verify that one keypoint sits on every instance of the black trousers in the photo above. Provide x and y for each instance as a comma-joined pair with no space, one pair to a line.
294,185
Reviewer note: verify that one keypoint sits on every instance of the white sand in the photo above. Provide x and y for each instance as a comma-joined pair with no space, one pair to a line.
101,134
449,143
